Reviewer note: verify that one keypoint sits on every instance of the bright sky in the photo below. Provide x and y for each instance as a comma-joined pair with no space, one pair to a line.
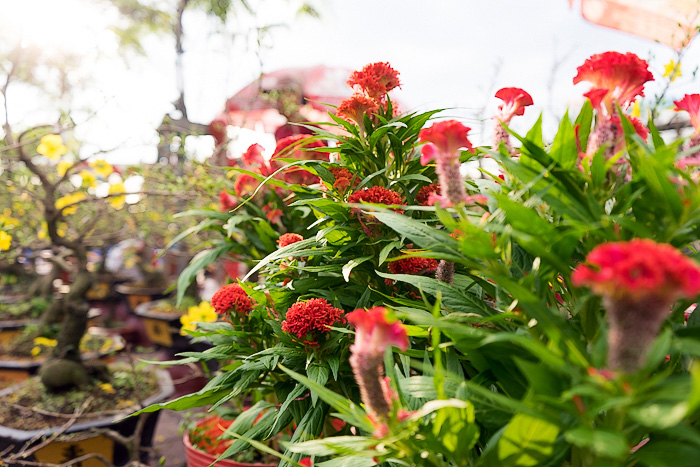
450,53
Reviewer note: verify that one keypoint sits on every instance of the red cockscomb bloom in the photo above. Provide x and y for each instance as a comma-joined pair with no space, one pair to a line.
354,108
691,104
245,185
288,238
373,335
344,179
424,193
311,317
272,213
639,269
448,137
375,79
253,155
615,77
639,280
231,298
293,147
514,102
377,195
227,200
414,265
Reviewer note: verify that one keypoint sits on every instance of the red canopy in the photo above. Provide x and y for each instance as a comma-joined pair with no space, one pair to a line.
670,22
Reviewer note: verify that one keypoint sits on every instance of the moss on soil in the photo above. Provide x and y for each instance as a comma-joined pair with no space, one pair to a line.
30,407
30,309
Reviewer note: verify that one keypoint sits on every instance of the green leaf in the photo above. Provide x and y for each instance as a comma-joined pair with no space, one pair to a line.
668,453
605,443
319,374
527,441
199,262
350,265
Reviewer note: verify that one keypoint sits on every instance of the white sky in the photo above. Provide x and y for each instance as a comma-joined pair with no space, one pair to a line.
450,53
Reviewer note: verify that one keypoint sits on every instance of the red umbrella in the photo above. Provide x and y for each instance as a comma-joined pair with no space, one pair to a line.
670,22
305,89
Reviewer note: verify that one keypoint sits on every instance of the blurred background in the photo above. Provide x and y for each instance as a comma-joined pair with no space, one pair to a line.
118,67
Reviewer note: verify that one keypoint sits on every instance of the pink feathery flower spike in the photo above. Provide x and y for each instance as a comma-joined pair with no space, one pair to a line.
514,102
639,280
445,139
373,335
691,104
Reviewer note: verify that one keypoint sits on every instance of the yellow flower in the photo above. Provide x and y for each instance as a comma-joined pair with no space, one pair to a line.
62,167
52,147
70,199
106,387
187,325
636,109
117,201
36,351
9,221
45,341
5,240
202,313
672,70
89,179
102,168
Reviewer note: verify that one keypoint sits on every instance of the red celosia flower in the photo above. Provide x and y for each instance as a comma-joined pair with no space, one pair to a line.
615,77
306,462
448,137
354,108
639,268
288,238
414,265
245,185
291,147
231,298
375,79
311,317
217,128
424,193
227,200
639,281
514,102
377,195
691,104
273,214
344,179
373,335
253,155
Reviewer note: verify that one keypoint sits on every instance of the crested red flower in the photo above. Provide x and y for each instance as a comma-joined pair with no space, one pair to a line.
377,195
374,333
353,109
231,298
414,265
288,238
447,137
253,155
638,269
615,77
245,185
227,200
375,79
344,179
514,102
307,319
294,147
424,193
691,104
272,213
306,462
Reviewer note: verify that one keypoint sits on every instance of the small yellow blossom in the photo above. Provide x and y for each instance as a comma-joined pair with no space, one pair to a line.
35,351
636,110
101,168
5,240
108,388
52,147
202,313
69,199
62,167
187,324
89,179
117,201
672,70
45,341
9,221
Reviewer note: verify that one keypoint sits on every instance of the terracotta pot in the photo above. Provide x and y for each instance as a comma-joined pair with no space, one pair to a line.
64,450
197,458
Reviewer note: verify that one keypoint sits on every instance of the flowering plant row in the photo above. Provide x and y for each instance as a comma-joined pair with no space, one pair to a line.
537,314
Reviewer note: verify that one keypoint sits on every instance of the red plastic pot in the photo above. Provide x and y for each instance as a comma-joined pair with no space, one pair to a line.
197,458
